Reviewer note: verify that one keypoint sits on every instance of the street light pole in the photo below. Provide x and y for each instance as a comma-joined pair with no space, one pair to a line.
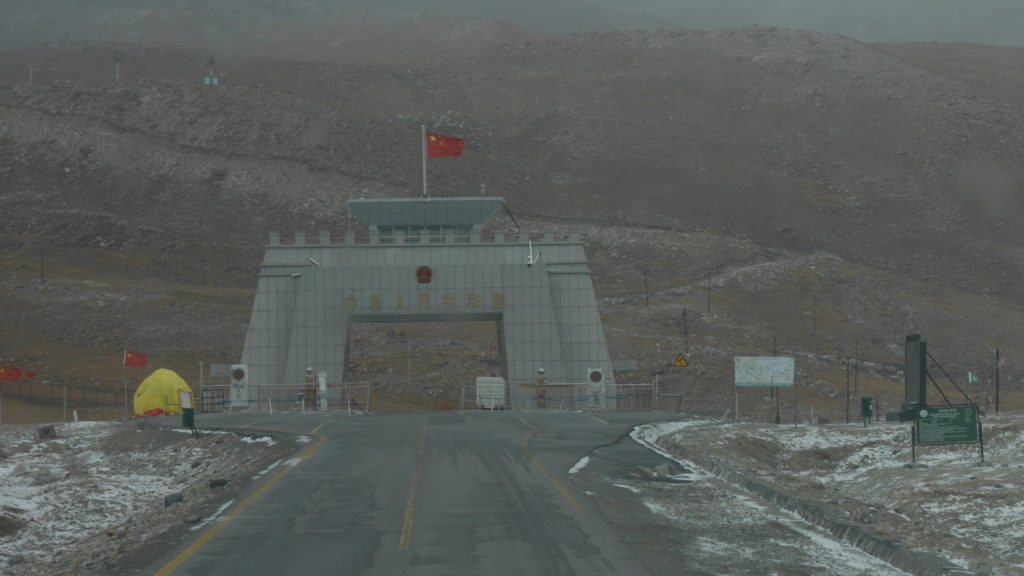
847,392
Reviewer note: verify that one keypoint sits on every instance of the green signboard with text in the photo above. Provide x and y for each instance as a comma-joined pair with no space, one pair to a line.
947,425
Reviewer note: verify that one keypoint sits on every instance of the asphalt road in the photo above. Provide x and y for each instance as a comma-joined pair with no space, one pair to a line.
421,494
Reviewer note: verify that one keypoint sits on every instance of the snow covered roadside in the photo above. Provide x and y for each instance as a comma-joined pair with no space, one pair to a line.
947,505
83,501
732,522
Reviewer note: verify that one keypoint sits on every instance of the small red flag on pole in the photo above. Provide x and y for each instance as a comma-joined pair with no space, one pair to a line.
135,359
440,146
10,375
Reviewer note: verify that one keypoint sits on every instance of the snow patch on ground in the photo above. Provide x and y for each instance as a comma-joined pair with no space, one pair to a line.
214,516
579,465
627,487
264,439
77,503
266,470
947,504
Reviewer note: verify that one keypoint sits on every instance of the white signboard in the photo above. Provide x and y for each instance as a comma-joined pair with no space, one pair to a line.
764,371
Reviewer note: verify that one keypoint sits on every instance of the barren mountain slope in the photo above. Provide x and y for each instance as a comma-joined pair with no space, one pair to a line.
794,167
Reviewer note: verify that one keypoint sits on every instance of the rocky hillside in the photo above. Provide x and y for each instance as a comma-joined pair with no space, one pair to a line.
832,194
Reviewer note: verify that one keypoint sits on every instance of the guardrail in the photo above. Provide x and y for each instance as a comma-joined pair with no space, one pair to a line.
284,398
566,398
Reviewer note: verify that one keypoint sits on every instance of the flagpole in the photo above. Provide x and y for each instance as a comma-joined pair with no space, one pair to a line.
423,140
124,381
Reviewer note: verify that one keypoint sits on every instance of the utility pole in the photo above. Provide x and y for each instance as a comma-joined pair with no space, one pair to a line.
686,335
856,367
997,380
778,393
647,298
30,73
814,316
847,391
709,292
117,66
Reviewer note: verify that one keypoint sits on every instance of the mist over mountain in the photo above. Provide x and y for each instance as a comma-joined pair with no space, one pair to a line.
992,22
836,195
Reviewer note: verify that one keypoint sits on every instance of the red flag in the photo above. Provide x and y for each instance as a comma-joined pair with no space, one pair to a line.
135,359
30,375
10,375
439,146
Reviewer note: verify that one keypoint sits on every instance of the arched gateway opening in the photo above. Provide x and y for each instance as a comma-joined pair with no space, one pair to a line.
421,365
427,260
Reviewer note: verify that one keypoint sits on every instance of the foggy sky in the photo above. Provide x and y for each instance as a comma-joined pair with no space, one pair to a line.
996,22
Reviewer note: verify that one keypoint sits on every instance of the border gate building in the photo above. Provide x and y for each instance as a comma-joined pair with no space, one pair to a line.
425,261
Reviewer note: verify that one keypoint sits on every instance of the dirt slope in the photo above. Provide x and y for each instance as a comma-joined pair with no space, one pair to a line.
836,194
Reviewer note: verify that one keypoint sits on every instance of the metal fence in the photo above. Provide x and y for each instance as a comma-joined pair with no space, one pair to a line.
567,398
631,397
274,398
73,396
348,398
213,398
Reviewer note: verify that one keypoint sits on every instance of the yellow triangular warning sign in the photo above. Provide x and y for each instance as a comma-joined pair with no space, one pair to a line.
680,361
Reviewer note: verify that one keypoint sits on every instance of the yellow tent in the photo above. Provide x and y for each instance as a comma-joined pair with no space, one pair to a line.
158,394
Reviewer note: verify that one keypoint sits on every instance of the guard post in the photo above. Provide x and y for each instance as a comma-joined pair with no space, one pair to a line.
867,409
188,413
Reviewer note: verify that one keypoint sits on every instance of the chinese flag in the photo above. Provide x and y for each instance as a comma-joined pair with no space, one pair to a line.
135,359
439,146
10,375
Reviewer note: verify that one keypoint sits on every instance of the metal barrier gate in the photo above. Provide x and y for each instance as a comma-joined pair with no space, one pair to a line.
213,398
278,398
568,398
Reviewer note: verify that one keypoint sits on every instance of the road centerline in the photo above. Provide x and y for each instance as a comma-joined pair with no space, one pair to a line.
237,511
532,459
410,506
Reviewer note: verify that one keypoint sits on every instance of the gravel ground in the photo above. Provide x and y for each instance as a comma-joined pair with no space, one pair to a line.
948,510
97,493
709,496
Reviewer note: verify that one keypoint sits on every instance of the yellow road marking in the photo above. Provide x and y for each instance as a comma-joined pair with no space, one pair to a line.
223,522
544,471
410,506
573,502
255,422
596,418
523,420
